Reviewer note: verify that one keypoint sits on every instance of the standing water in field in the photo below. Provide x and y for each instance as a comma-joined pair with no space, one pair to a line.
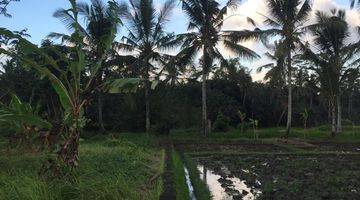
227,186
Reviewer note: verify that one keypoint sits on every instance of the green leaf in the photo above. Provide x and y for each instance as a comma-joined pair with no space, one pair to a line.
123,85
58,86
154,84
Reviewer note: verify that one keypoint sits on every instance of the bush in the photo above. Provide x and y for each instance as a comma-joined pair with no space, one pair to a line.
222,123
162,128
245,126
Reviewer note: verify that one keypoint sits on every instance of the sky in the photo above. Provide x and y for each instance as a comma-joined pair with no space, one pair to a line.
36,16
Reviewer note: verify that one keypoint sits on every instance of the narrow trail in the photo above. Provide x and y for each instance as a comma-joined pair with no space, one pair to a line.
169,192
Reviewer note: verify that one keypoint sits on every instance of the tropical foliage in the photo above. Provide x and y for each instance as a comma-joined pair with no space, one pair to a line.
3,7
119,69
287,18
331,35
65,71
206,19
148,43
22,121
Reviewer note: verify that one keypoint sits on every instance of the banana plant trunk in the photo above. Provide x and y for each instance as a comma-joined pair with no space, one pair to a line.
349,112
339,115
204,107
289,106
69,151
68,154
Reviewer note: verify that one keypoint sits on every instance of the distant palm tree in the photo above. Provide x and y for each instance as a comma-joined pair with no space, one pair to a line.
204,35
148,42
276,74
331,33
287,17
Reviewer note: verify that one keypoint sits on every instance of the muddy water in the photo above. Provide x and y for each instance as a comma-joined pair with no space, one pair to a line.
225,186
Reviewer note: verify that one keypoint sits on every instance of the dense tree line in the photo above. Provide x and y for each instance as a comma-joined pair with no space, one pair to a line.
179,104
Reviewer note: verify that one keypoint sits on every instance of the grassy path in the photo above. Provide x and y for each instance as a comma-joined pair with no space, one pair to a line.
169,191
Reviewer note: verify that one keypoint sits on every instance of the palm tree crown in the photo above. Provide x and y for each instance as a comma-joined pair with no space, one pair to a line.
206,20
101,22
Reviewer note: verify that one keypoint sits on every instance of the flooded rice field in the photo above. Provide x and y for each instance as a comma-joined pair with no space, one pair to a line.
281,176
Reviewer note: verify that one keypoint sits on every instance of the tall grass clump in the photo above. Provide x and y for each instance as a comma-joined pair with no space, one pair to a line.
112,168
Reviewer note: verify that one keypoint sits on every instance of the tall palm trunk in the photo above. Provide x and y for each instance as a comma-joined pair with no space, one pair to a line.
100,112
333,118
147,105
350,105
289,113
339,116
204,107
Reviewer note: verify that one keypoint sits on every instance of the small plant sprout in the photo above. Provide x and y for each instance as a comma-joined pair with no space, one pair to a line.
242,117
305,117
255,125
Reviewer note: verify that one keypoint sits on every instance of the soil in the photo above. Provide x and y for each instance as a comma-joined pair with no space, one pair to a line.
342,147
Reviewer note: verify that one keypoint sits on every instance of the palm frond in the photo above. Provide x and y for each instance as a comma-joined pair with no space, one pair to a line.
240,50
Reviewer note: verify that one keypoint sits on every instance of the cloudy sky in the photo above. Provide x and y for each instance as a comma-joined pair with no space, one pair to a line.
36,16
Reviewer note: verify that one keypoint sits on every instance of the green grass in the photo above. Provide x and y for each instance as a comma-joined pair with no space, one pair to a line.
200,188
182,191
350,134
110,168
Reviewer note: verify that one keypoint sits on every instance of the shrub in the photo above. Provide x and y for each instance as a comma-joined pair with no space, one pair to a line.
244,126
222,123
162,128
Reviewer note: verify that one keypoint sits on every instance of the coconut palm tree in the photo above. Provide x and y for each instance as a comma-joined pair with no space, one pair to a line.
205,35
147,42
100,21
331,33
286,19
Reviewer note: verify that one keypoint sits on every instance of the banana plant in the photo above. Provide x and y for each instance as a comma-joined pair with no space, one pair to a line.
72,76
